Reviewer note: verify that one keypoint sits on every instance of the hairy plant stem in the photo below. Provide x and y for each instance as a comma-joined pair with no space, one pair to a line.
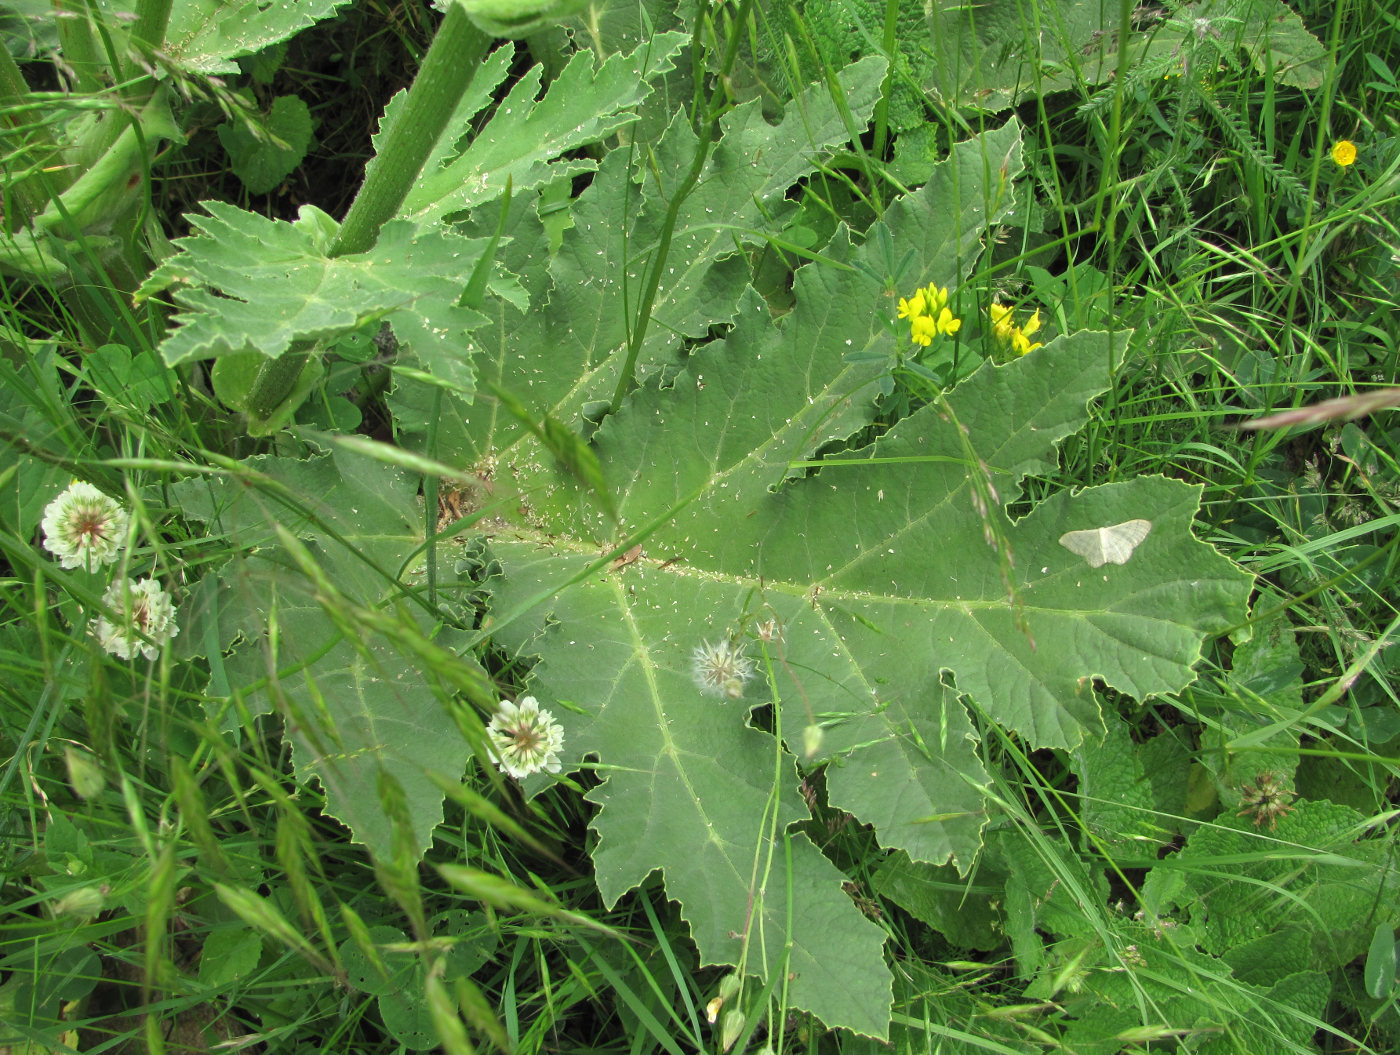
13,91
152,18
92,196
446,73
78,45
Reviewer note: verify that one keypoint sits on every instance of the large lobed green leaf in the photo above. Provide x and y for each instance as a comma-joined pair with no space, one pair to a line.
883,601
246,283
205,36
892,608
526,138
564,352
356,701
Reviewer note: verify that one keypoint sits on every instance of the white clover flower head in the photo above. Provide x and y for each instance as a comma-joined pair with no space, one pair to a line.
721,669
84,528
525,738
145,609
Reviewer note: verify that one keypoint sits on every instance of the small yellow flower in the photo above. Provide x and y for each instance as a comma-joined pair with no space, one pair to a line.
1002,324
913,307
923,329
928,314
1344,152
1020,338
1006,331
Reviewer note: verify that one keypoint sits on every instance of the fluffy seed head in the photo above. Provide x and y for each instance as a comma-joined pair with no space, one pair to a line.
721,669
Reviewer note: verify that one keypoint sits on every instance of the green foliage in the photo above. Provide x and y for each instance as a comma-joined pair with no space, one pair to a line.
531,141
362,709
82,169
909,686
205,36
1324,878
251,285
989,56
846,566
263,154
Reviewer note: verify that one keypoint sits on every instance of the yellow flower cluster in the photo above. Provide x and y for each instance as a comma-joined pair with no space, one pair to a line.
1344,152
1019,337
928,314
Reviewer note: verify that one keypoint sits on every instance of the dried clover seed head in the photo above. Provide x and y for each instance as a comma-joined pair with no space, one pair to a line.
1266,800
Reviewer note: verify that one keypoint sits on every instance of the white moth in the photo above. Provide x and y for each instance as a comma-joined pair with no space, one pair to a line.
1107,545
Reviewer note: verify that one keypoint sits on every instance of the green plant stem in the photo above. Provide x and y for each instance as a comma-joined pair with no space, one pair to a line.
79,48
1299,257
882,108
13,91
152,18
276,378
93,195
446,73
626,379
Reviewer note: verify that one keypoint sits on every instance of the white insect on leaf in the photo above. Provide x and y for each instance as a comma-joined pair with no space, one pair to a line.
1107,545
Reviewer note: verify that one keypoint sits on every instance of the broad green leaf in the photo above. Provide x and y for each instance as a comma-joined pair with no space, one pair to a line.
378,969
233,955
1048,888
867,592
232,377
1277,41
265,152
1380,962
1157,988
1271,957
1265,686
1166,762
965,910
356,700
741,194
127,383
519,18
564,353
249,284
205,36
1116,801
1314,870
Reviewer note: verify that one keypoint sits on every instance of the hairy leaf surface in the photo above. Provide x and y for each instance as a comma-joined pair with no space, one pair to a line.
564,352
356,700
205,36
245,283
867,593
525,135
